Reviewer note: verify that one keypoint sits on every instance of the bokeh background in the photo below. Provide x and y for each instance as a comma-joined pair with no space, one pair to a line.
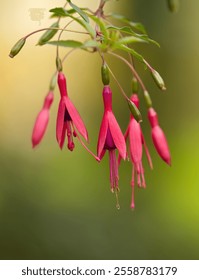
57,205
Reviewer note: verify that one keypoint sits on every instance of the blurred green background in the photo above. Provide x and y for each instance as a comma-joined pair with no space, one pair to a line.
57,205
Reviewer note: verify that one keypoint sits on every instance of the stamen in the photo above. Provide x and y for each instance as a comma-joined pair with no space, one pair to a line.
133,198
71,144
142,176
133,177
82,143
113,165
117,200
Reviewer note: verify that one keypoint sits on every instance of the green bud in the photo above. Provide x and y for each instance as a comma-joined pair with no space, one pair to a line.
48,34
135,86
147,99
53,82
105,75
135,111
59,64
173,5
158,79
17,47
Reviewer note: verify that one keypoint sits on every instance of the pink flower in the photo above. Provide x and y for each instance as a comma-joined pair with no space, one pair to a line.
158,137
42,120
110,138
136,141
68,117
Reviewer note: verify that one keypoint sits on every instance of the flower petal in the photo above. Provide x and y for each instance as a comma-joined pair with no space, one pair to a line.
75,116
147,152
126,134
62,140
117,135
102,136
160,143
40,127
135,138
60,121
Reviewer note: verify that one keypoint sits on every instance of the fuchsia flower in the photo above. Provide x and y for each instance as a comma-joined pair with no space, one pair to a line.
136,141
158,137
110,138
42,120
68,117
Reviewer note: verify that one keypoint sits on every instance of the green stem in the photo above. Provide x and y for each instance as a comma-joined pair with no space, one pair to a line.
132,69
56,28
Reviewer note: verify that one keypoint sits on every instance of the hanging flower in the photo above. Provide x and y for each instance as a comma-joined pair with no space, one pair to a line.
68,117
111,138
159,139
42,120
136,142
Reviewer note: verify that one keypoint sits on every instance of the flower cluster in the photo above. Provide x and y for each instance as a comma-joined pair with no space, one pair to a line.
111,138
104,39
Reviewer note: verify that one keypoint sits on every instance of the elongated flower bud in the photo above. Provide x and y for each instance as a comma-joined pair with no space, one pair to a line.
48,34
147,99
158,79
135,86
159,139
173,5
135,111
17,47
42,121
59,64
105,75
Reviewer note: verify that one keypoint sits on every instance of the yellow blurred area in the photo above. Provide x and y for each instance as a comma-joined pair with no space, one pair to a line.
57,205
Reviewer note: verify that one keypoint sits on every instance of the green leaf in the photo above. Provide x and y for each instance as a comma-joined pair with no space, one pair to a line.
79,11
138,26
63,13
91,44
87,26
76,44
66,43
125,29
128,30
130,39
101,24
60,12
128,50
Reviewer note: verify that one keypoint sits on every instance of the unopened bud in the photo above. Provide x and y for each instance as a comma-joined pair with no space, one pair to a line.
147,99
59,64
158,79
135,111
53,82
173,5
42,120
158,136
17,47
135,86
105,74
48,34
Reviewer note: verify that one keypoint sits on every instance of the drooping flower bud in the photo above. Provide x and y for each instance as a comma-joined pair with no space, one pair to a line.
158,136
135,111
17,47
158,79
173,5
105,74
59,64
135,86
147,99
42,121
48,34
